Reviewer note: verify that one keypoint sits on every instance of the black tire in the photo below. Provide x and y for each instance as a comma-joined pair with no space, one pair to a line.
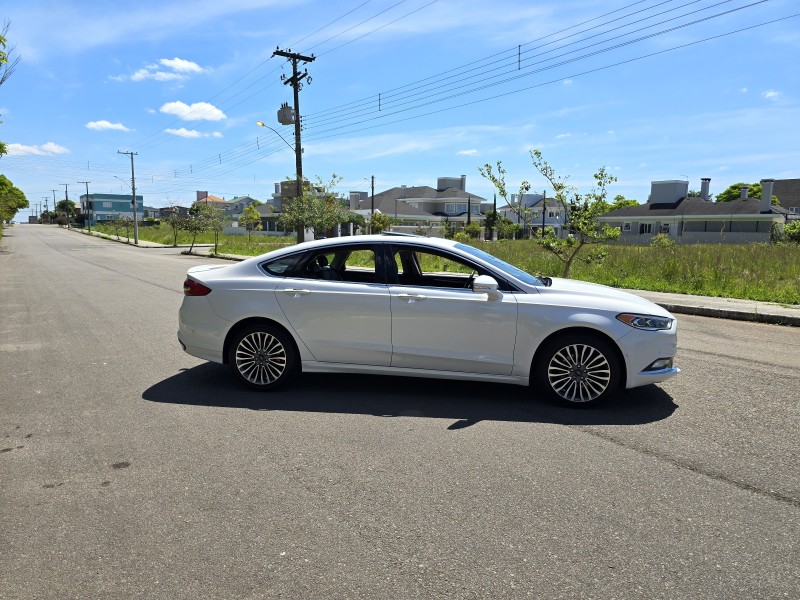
263,357
577,369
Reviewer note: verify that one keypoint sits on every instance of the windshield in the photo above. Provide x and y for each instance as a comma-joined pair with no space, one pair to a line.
500,264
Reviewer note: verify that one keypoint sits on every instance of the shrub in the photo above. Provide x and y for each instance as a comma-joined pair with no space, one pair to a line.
791,232
662,240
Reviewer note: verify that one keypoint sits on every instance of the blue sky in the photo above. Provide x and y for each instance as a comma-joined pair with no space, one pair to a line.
461,83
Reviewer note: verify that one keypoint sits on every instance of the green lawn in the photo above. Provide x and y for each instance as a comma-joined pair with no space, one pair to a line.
750,271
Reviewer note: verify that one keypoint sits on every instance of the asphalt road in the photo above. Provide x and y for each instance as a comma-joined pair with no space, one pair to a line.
132,470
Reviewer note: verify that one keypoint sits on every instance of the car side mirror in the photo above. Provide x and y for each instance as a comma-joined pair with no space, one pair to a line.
483,284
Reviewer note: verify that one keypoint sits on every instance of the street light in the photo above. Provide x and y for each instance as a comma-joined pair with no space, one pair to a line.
262,124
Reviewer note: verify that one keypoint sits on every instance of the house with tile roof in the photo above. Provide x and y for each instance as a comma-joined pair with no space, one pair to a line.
691,220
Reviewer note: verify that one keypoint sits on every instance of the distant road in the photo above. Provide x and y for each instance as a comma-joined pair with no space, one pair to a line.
132,470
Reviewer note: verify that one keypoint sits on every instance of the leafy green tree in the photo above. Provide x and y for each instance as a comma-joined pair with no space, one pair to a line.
473,230
380,222
507,229
251,219
11,200
217,220
66,207
621,201
320,208
198,221
733,192
582,211
791,232
175,222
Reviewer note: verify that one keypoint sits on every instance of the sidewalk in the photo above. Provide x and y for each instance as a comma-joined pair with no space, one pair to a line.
704,306
725,308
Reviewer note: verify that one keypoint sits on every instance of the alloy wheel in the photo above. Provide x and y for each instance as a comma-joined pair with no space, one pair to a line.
261,358
579,373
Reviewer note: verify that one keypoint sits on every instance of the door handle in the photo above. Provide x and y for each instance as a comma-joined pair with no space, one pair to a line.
295,292
411,297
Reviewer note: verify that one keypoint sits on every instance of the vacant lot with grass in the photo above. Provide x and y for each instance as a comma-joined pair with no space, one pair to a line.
754,271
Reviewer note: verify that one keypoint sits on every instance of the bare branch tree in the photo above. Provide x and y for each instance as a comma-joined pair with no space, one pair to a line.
8,63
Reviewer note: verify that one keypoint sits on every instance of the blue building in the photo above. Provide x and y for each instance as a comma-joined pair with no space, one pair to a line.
108,207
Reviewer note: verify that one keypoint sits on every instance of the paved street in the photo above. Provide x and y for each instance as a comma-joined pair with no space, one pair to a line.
131,470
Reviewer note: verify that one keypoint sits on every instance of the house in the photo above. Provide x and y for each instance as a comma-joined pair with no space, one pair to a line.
788,193
541,211
234,207
689,220
424,206
109,207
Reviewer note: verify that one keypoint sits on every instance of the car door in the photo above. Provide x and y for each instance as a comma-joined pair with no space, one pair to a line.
338,304
439,323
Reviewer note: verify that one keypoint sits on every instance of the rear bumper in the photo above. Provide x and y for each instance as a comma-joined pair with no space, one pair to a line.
197,351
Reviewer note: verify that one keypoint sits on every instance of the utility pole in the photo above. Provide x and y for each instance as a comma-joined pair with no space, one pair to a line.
544,207
66,201
296,82
46,199
372,208
133,198
88,210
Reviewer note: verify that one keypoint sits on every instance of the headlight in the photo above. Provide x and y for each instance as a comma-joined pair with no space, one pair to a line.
648,322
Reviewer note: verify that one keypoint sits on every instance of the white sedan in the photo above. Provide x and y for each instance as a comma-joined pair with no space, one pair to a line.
421,307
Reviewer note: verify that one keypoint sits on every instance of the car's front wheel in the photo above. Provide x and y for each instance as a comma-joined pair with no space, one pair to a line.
577,369
262,357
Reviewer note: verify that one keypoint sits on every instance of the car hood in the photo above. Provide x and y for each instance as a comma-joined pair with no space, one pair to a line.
580,293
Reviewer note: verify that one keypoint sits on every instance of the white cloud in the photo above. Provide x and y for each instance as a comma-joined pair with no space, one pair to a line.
472,152
175,69
568,82
199,111
143,74
106,126
48,149
561,136
772,95
743,90
192,133
181,66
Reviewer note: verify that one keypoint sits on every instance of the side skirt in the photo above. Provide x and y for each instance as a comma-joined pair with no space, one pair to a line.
326,367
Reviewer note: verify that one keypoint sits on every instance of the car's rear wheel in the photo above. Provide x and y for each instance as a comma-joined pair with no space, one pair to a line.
263,357
577,369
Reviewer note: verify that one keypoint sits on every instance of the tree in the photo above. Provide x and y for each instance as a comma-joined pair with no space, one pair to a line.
733,192
7,63
506,228
621,201
66,207
319,207
175,222
582,211
7,66
251,219
379,222
198,221
473,230
11,200
791,232
217,220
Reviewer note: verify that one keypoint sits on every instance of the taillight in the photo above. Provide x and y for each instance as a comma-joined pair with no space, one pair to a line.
192,288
